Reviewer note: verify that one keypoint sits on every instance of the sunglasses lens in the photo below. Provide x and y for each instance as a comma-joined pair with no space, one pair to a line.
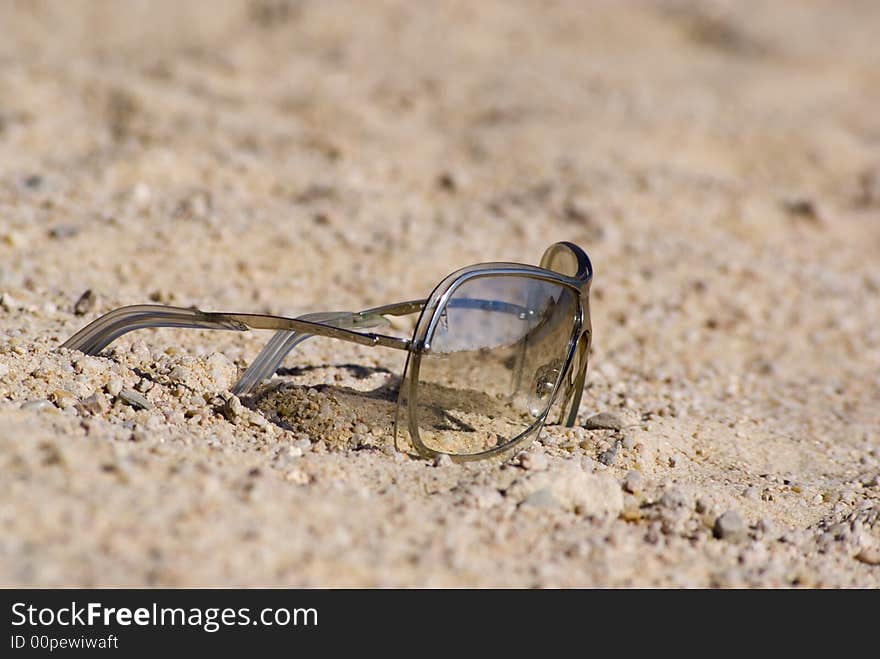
495,359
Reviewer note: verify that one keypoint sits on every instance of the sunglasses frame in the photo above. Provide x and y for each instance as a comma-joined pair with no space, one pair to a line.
573,373
98,334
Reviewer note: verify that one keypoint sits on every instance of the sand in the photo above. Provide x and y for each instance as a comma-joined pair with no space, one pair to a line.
720,162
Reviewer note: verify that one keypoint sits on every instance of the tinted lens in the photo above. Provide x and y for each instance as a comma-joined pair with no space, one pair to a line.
494,361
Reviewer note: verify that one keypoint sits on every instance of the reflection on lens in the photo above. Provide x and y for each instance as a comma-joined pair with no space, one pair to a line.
493,363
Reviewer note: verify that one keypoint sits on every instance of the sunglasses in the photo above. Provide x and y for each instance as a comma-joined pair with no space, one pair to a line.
496,348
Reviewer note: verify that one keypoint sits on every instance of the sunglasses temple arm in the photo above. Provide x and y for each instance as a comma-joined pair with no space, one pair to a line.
100,333
273,355
283,341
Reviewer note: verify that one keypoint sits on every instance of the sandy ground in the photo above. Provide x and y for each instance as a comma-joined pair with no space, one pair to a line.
719,161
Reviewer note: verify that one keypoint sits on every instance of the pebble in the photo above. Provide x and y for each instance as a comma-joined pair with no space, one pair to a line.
751,492
297,476
442,460
258,420
534,461
134,399
233,408
585,493
95,404
703,505
85,303
633,482
39,404
180,373
729,526
767,528
4,370
8,302
603,421
542,499
607,457
303,443
486,497
61,231
114,385
869,556
673,498
140,351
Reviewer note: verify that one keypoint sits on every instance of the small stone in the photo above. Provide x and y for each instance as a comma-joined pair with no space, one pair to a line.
4,371
751,492
134,399
673,498
534,461
297,476
869,188
633,482
541,499
233,408
869,556
446,181
85,303
767,528
729,526
15,239
95,404
39,404
144,385
63,398
302,443
222,371
607,457
141,196
584,493
442,460
8,302
603,421
803,208
180,373
362,441
62,231
486,497
140,351
628,442
114,385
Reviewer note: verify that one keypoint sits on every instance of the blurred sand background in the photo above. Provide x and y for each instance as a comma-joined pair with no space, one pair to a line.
720,162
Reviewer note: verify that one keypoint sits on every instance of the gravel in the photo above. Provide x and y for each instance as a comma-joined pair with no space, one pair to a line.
604,421
729,526
85,303
869,556
633,482
136,400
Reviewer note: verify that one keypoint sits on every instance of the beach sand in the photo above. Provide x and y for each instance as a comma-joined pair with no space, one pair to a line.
720,162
